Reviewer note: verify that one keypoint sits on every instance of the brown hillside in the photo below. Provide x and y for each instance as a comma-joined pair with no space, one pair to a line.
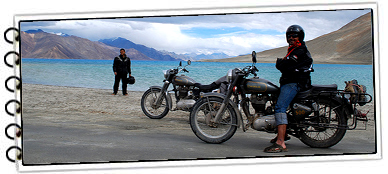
351,44
46,45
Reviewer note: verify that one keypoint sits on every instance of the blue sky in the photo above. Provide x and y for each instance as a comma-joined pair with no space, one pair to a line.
232,34
201,32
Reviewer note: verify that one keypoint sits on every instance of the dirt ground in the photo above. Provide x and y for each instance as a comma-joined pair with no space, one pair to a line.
96,106
80,124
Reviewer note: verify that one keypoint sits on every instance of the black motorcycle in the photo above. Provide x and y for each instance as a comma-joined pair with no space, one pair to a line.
157,101
317,116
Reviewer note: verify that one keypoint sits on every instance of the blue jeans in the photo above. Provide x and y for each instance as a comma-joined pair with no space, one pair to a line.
287,94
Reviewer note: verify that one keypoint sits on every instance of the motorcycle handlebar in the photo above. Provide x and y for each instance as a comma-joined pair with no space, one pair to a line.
250,70
182,69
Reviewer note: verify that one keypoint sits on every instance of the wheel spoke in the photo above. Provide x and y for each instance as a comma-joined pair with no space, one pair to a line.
149,107
324,130
206,123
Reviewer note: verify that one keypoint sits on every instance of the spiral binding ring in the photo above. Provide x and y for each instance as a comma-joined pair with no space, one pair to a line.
18,131
18,155
5,35
18,86
18,110
17,61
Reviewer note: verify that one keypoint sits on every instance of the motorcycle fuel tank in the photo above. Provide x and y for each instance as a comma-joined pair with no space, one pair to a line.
258,85
183,80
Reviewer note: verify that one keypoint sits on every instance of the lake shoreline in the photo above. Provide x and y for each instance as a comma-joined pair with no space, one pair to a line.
217,60
99,74
274,62
49,96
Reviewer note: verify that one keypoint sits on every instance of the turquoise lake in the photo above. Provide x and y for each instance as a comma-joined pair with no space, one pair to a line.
99,73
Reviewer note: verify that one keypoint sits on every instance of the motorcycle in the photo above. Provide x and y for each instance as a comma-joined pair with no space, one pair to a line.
157,101
317,116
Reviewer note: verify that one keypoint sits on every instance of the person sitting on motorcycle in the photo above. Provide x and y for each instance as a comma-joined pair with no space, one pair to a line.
295,68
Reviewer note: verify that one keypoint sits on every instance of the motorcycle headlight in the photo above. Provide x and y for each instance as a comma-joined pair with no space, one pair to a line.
166,73
232,74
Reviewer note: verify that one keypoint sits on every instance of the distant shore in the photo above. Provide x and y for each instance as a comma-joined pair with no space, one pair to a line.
236,60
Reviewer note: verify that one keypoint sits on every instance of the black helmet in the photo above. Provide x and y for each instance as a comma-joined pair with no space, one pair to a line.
296,29
131,80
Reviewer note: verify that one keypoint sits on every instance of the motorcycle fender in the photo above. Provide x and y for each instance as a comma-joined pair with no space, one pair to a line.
234,105
346,108
168,96
157,87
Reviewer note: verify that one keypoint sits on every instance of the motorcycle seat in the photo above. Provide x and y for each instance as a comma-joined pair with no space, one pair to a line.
315,89
210,87
197,85
332,87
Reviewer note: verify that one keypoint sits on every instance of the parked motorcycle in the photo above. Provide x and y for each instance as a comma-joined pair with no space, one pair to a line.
157,101
317,116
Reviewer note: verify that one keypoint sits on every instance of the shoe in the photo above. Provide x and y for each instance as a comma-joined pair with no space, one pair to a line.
114,94
275,148
126,94
276,138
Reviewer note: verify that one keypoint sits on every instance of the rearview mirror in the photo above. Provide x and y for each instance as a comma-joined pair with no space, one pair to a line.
189,62
254,57
180,63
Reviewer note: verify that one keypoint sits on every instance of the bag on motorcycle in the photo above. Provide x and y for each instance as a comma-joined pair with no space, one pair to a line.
354,87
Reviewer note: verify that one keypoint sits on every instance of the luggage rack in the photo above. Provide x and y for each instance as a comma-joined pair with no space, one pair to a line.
357,115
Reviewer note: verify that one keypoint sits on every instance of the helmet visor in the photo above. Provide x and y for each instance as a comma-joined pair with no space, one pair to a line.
294,35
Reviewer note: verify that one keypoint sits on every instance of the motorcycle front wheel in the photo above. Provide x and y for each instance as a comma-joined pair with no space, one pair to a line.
206,128
331,127
149,107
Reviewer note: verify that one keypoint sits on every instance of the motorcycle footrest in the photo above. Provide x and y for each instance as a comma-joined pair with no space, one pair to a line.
361,119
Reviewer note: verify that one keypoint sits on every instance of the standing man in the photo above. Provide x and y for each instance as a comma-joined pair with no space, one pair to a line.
295,68
121,67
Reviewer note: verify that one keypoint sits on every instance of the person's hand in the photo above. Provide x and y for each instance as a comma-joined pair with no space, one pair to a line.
129,75
116,73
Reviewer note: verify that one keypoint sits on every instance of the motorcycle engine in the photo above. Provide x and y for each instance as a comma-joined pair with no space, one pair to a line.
186,100
259,102
264,123
183,92
185,104
300,111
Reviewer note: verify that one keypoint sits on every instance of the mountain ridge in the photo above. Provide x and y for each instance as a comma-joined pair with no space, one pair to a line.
351,44
127,44
40,44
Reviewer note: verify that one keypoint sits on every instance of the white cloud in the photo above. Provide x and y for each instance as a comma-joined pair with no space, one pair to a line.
165,33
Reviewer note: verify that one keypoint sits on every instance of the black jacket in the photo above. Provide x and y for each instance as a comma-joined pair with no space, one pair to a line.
295,68
122,65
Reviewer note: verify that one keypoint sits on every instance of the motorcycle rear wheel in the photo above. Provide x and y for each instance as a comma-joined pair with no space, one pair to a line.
205,128
324,137
149,109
